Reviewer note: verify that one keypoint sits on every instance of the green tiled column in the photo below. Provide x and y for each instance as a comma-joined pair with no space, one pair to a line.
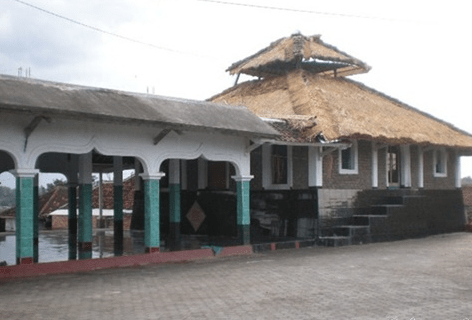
35,220
173,240
151,213
174,206
72,221
243,216
118,220
85,221
24,216
85,206
118,206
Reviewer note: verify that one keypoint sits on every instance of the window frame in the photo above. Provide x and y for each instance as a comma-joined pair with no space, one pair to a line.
267,168
355,159
443,155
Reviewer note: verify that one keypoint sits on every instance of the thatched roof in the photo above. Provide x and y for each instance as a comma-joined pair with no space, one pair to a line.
292,129
343,109
299,52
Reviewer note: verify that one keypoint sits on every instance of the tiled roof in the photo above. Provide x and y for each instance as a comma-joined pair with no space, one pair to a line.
128,195
58,198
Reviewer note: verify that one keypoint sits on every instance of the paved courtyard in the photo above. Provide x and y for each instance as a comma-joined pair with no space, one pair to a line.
428,278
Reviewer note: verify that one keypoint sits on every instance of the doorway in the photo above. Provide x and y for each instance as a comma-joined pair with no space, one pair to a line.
393,166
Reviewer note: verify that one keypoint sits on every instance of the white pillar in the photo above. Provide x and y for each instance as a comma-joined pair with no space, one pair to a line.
183,174
375,165
100,199
458,181
420,167
137,172
315,167
405,166
202,173
174,171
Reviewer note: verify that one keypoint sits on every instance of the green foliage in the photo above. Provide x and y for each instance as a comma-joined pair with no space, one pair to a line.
7,197
467,181
50,186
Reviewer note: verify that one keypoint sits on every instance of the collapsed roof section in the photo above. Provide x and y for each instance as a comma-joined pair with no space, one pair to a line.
299,52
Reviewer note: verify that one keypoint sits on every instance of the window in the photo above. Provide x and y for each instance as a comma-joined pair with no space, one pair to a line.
440,163
348,160
277,166
393,166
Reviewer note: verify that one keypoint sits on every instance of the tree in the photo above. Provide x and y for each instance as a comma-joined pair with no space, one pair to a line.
7,197
51,186
467,181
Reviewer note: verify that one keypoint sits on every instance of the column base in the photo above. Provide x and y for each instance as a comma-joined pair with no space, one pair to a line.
25,260
174,239
85,250
35,250
118,237
152,250
244,234
72,246
85,246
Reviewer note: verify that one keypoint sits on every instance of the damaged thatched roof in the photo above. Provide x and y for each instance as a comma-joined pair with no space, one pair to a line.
299,52
343,109
293,129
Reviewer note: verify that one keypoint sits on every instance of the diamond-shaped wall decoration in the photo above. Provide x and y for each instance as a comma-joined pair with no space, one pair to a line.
196,216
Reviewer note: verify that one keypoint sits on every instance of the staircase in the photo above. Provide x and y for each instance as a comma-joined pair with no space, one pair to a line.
366,225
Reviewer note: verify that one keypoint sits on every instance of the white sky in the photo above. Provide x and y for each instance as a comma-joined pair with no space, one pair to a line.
413,47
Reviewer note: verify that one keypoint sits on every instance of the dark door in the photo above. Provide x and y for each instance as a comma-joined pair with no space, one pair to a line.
393,166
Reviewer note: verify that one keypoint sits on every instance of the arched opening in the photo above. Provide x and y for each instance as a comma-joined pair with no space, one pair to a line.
7,209
198,204
111,190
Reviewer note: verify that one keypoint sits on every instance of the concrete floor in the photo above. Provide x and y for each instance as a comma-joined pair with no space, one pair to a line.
428,278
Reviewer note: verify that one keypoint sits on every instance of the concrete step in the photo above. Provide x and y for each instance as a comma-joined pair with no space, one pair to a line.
359,234
384,209
367,219
392,200
335,241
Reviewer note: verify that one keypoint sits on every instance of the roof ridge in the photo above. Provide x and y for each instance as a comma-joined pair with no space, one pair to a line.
299,52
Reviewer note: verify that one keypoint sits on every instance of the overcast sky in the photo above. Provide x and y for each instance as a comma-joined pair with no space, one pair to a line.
182,48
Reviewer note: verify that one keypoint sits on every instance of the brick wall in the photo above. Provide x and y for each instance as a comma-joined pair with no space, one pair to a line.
300,167
431,182
62,222
256,169
332,179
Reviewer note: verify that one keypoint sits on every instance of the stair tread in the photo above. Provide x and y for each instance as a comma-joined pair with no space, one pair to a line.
371,215
387,205
354,226
334,237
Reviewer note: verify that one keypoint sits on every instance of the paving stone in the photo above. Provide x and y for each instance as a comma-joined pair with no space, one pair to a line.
429,278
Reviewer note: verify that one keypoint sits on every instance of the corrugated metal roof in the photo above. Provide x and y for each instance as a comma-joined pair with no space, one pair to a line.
87,103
